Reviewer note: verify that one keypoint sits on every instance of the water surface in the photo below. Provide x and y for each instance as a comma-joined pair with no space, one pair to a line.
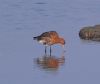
21,20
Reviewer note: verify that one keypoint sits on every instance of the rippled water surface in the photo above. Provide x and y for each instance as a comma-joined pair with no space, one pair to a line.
23,61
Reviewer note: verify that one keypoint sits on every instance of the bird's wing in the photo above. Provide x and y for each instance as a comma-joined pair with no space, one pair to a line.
45,34
54,35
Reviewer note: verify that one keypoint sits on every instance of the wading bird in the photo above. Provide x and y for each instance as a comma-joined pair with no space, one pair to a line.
50,38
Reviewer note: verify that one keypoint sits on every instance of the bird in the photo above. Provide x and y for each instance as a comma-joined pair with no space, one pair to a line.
50,38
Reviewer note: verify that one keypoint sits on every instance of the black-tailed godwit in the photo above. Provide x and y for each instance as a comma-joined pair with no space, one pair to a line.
50,38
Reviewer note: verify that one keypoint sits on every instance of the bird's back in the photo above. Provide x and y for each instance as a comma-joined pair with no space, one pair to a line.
49,34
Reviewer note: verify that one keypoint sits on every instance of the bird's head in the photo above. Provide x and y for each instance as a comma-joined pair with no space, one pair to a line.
62,41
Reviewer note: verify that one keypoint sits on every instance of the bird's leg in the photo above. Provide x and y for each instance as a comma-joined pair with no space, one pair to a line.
50,50
45,50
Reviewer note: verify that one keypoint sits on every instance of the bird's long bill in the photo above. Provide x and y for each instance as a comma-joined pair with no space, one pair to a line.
63,46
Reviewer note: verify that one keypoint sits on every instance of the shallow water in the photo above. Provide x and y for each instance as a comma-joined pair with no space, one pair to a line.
23,61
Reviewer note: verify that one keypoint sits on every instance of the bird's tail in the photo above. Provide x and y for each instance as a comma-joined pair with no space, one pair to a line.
34,38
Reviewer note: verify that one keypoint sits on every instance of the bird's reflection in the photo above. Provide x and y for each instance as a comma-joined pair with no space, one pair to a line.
50,62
